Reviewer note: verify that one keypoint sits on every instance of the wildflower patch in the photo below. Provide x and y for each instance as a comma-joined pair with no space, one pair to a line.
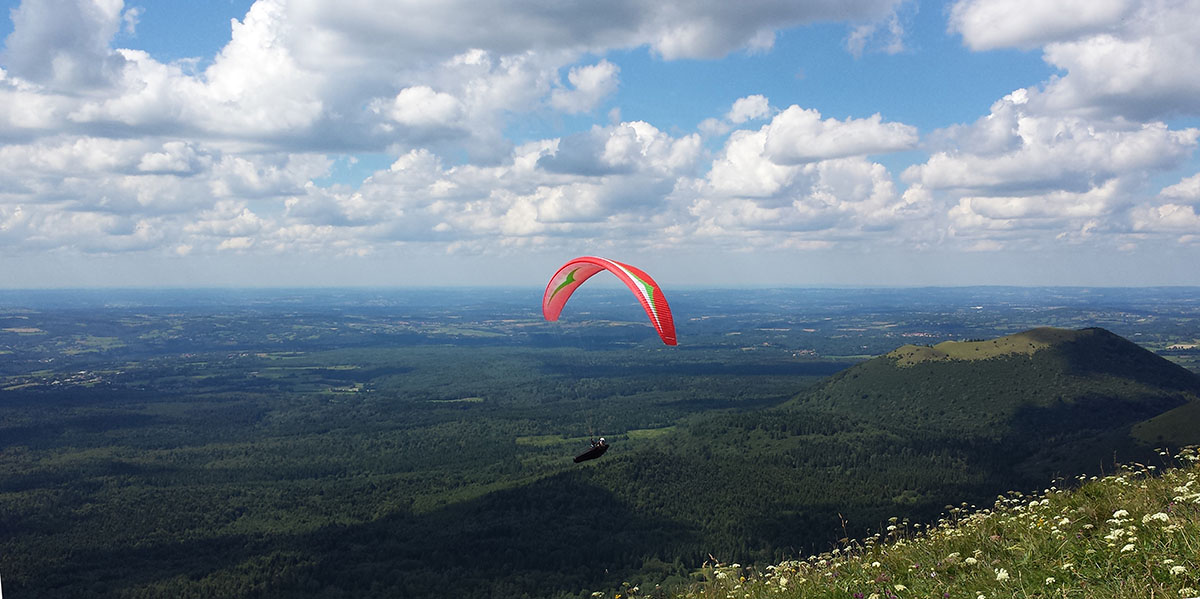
1130,535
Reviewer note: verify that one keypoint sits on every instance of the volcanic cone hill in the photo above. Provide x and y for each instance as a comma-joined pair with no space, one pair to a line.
1052,400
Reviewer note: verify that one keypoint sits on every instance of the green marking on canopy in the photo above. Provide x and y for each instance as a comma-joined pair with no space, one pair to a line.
570,279
648,290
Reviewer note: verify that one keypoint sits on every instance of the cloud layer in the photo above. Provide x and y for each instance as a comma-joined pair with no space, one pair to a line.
107,150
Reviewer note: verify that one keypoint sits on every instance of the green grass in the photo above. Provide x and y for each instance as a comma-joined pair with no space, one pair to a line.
1024,343
1130,535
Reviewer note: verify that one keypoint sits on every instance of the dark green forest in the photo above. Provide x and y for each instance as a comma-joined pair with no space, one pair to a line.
418,471
325,449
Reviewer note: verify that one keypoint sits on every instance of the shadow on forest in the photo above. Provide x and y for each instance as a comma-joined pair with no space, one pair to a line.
557,534
560,533
1106,354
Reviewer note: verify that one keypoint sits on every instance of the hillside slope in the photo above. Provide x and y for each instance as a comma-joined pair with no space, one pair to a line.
1129,535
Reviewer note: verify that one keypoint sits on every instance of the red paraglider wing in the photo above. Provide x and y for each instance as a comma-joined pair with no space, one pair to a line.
574,273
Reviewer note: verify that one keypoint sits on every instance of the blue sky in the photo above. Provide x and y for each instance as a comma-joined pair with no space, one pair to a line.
849,142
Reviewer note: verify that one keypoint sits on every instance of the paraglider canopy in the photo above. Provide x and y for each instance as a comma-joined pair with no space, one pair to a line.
574,273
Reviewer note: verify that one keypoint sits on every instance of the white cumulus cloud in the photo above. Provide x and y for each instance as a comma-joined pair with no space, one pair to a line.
1117,57
1015,148
798,135
590,85
750,108
106,149
1023,173
1167,218
992,24
63,44
1187,190
833,195
420,106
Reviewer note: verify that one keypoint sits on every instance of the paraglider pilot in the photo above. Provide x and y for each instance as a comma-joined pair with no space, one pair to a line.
598,448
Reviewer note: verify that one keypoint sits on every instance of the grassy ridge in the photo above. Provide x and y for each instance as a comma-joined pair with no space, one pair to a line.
1025,343
1130,535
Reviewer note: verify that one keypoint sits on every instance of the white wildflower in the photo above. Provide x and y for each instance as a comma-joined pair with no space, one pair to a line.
970,561
900,587
1159,516
1177,570
1001,574
1120,514
1127,548
1050,580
